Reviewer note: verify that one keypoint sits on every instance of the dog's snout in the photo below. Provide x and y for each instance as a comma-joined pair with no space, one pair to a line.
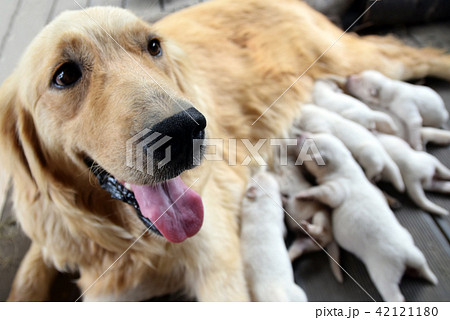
184,133
183,127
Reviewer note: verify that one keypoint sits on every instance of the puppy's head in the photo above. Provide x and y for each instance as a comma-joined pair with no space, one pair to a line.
97,87
369,86
326,155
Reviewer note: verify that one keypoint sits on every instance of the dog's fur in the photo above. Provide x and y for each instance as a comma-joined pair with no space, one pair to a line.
361,219
364,146
328,95
231,67
267,265
420,171
414,105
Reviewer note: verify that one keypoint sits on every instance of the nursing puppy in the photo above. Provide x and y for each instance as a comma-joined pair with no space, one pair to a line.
362,221
415,105
420,171
291,182
364,146
266,261
308,217
328,95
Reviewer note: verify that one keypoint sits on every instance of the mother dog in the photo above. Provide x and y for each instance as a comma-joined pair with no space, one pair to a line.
94,79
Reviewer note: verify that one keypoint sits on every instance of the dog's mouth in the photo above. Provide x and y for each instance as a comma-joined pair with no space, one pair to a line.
169,209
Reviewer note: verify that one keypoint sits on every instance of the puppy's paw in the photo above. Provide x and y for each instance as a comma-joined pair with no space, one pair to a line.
305,196
305,225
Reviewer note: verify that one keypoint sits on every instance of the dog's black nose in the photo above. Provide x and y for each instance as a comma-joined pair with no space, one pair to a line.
183,133
198,123
183,126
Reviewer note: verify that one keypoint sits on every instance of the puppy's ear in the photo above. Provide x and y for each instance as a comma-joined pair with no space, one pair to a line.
320,158
19,145
251,192
284,199
374,92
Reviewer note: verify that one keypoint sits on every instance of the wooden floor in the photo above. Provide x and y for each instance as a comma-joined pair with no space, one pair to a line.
21,20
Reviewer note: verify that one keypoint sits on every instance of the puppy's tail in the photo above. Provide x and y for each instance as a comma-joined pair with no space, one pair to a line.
434,135
384,123
335,260
415,191
442,171
416,261
392,173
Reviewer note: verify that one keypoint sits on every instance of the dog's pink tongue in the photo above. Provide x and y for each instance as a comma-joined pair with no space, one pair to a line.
172,207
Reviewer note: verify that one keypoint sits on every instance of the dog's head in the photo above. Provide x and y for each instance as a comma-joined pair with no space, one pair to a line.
96,89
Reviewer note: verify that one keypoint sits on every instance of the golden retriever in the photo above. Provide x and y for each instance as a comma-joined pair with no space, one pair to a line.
92,80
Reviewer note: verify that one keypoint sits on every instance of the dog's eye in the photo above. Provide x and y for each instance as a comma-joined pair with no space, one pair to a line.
154,47
66,75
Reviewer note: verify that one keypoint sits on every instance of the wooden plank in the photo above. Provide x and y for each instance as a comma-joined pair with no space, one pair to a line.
13,246
5,183
442,153
114,3
31,17
7,17
149,10
139,6
63,5
175,5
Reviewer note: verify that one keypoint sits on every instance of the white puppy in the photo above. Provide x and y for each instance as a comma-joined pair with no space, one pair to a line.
326,94
299,212
364,146
362,221
420,171
266,261
415,105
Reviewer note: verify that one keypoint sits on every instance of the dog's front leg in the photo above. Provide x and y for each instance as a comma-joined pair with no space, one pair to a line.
223,278
34,277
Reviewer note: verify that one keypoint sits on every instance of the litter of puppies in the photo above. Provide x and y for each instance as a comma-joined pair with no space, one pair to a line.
378,133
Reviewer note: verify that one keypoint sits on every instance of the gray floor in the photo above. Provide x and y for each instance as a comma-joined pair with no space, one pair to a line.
21,20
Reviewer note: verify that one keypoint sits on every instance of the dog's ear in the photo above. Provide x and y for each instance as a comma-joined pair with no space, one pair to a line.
19,145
